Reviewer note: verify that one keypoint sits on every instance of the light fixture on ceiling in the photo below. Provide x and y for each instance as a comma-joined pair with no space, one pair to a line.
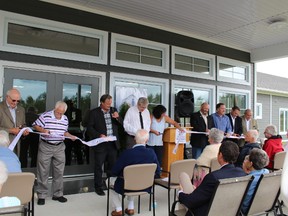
277,24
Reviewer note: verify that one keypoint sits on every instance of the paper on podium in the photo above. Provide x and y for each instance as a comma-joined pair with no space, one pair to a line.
180,138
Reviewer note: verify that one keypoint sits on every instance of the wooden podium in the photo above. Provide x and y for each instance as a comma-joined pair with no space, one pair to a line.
169,145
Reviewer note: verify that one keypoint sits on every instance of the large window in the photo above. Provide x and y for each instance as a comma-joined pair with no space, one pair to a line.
138,53
191,63
202,93
126,91
24,34
231,98
283,120
233,71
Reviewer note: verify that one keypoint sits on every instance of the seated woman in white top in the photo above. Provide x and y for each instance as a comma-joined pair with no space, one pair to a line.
211,151
215,138
6,201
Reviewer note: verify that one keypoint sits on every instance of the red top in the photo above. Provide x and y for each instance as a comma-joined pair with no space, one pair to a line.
272,146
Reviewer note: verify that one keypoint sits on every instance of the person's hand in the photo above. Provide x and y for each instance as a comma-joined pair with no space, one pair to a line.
73,138
234,134
182,130
228,135
102,136
14,131
26,132
115,115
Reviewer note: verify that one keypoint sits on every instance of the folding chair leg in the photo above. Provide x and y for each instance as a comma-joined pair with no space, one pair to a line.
174,195
138,204
168,200
153,194
108,190
150,198
123,210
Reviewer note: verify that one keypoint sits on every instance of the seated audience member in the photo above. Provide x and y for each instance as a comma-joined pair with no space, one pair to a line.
6,201
254,164
7,156
250,139
198,200
138,154
210,151
273,144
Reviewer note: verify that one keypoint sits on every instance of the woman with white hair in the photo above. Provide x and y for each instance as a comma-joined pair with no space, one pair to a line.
6,201
215,138
8,156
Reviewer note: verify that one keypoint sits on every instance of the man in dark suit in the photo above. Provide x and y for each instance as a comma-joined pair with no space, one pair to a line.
138,154
235,121
103,122
12,115
198,200
201,122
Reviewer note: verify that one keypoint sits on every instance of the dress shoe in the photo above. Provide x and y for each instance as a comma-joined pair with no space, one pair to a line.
129,211
41,202
115,213
61,199
99,191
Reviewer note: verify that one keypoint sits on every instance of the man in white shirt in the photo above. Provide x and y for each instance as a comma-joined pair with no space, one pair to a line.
137,117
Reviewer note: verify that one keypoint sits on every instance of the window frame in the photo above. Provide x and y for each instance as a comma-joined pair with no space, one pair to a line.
259,106
6,18
114,77
193,54
140,43
191,85
221,89
286,128
234,63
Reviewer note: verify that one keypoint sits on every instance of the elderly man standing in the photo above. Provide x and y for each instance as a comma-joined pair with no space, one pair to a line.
248,123
273,144
136,117
200,122
138,154
12,115
221,121
104,121
251,142
54,126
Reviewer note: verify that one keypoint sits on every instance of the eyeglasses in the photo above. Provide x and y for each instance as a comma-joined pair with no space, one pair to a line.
18,101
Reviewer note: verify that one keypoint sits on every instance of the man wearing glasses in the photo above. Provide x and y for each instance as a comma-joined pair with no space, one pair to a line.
12,115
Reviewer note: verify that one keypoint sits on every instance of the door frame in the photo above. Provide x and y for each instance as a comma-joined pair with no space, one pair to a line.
51,69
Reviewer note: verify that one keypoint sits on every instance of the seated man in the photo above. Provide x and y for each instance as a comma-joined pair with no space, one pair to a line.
250,139
198,200
6,201
254,164
7,156
139,154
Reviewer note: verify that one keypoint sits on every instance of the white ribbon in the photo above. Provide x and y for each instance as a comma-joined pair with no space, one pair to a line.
90,143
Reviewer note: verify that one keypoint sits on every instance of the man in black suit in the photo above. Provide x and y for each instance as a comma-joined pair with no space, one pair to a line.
235,121
198,200
104,121
201,122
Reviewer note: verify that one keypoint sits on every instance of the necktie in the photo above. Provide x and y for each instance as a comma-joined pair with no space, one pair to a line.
141,120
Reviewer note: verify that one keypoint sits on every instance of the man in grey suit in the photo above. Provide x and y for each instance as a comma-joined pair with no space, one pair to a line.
248,123
12,116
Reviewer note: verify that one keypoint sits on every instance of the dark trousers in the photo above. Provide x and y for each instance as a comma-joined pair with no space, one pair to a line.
104,152
159,152
31,143
130,142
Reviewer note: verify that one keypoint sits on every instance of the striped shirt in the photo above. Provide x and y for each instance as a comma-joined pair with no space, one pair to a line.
57,127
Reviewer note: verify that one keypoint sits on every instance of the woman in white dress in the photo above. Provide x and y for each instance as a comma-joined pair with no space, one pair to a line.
158,121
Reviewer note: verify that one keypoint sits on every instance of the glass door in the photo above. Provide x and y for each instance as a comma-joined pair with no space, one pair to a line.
39,93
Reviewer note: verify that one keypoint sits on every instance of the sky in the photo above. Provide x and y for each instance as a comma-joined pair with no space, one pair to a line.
277,67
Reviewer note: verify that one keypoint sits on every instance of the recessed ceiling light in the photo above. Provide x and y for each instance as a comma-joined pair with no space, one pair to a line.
277,24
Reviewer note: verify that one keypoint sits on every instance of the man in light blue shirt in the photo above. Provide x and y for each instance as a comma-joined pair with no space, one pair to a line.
221,121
